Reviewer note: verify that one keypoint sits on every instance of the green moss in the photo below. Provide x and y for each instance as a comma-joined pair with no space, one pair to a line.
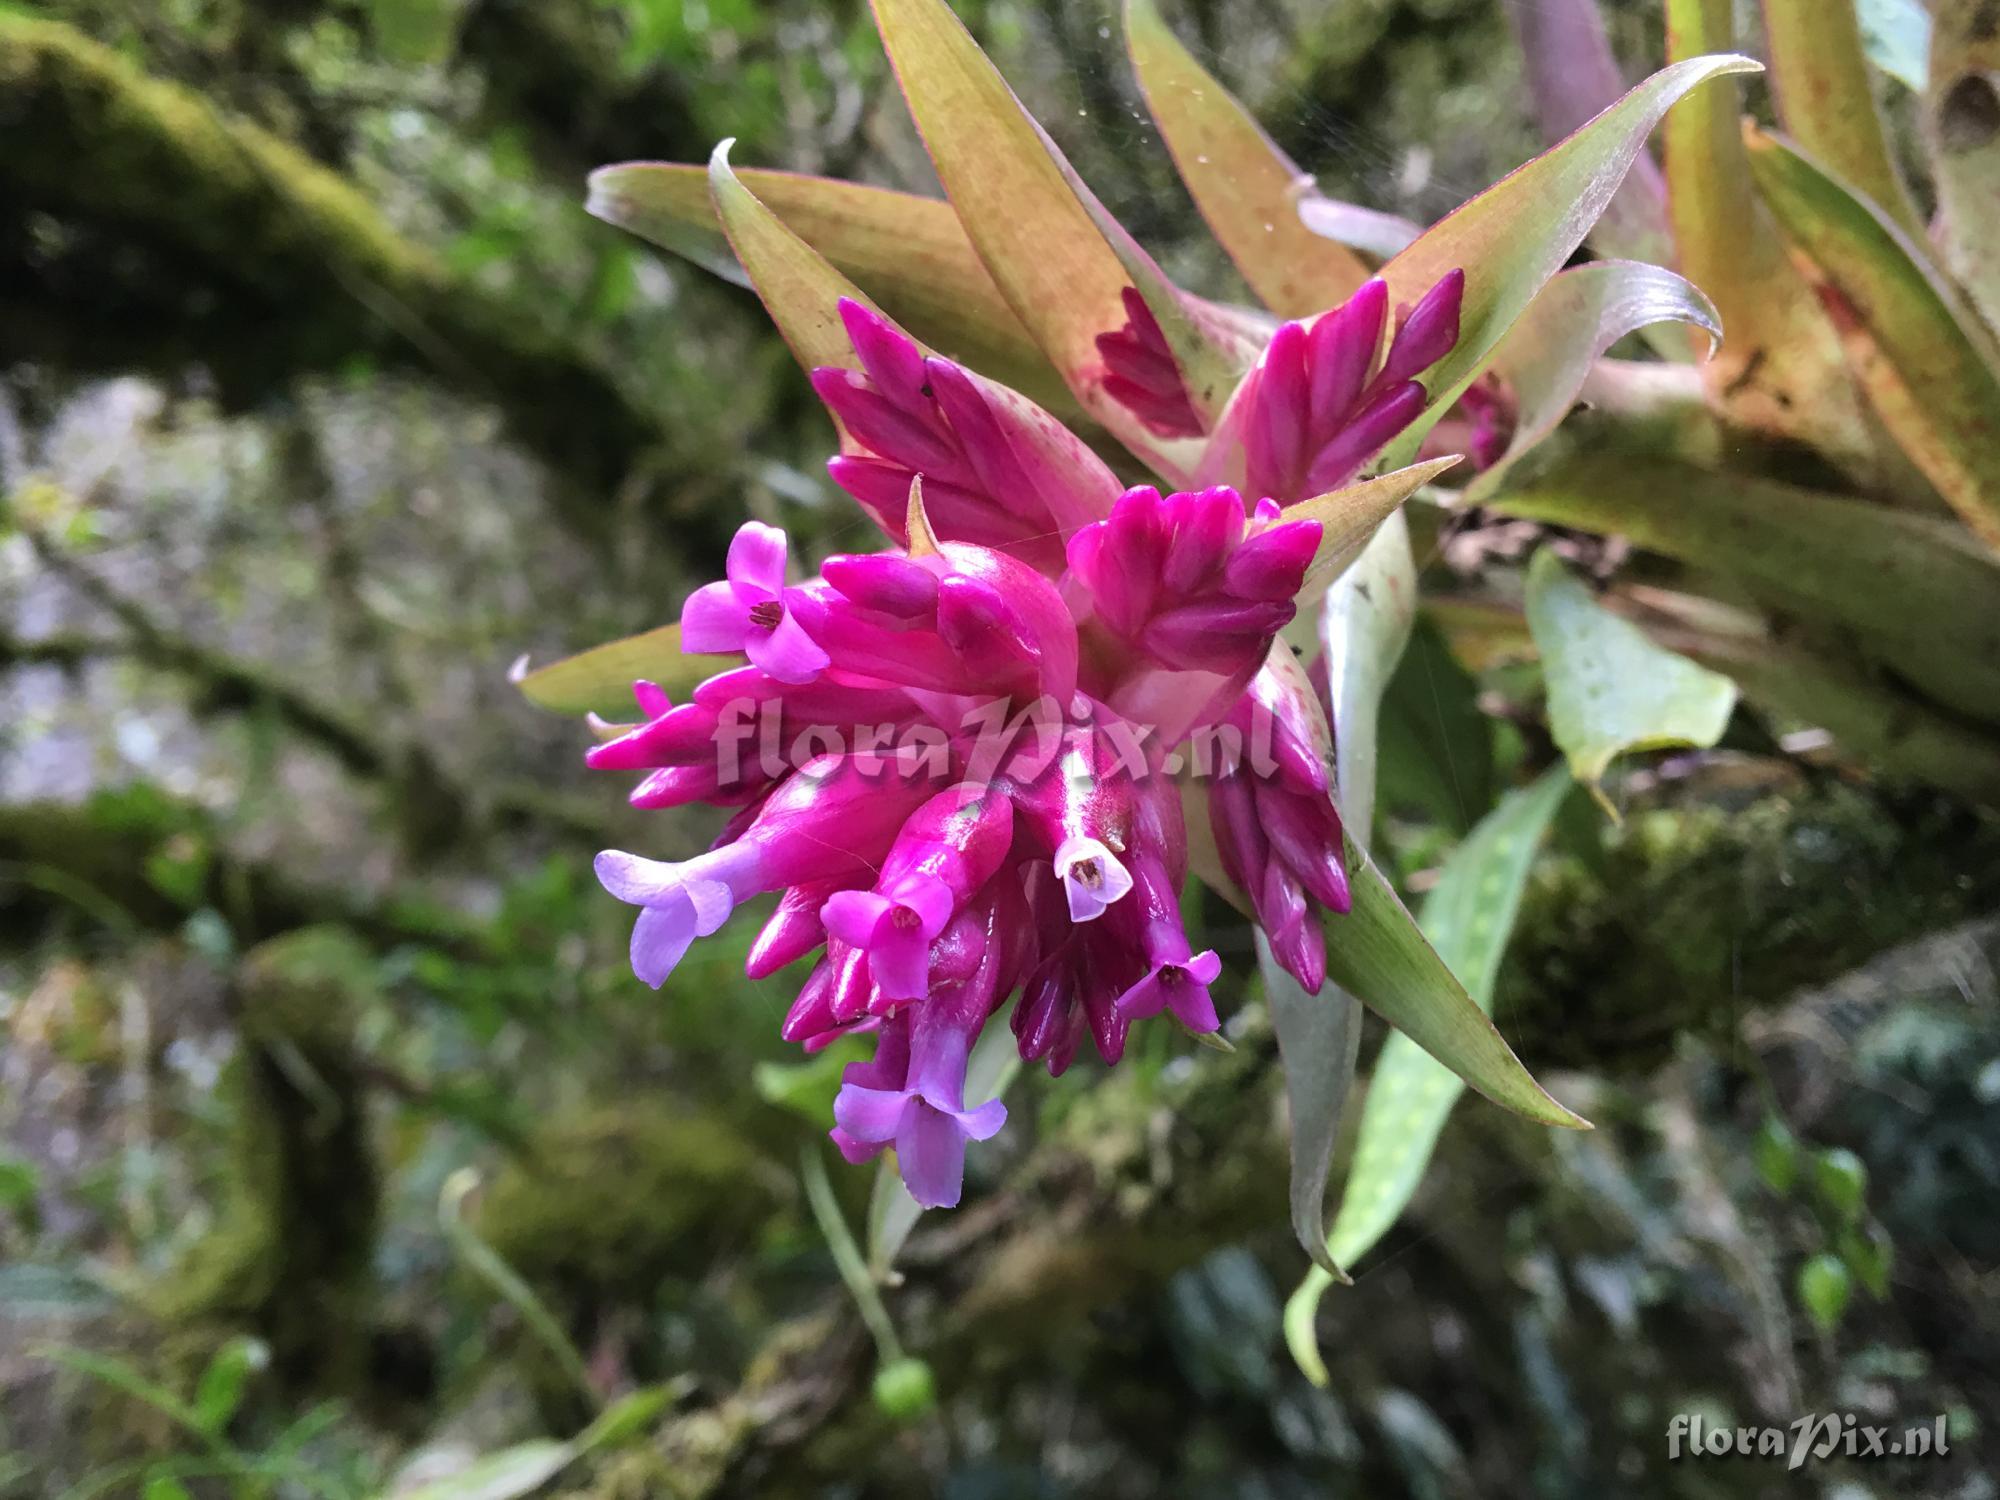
290,1253
1692,916
611,1200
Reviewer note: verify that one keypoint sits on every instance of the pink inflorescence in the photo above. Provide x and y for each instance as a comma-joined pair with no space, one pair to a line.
959,764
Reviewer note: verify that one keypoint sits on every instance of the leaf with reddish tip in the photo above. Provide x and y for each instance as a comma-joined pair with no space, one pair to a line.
1928,364
1826,100
600,680
1246,188
1780,370
1057,257
1549,354
1518,233
908,253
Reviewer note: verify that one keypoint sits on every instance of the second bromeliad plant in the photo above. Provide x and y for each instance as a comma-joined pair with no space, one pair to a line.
1121,625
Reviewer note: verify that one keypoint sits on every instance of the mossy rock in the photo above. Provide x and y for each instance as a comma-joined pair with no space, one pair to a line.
611,1200
294,1239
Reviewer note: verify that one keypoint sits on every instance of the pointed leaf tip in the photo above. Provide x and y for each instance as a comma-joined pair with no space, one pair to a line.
923,541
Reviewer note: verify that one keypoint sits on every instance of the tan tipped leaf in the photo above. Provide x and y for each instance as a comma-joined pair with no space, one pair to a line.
1928,364
923,541
1246,188
1056,256
1518,233
798,287
907,252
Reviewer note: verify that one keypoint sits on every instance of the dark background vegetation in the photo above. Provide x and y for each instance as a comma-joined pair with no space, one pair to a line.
321,400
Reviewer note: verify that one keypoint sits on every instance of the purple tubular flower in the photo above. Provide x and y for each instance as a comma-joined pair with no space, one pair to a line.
1140,373
749,612
949,848
951,763
924,1112
825,821
1318,407
1275,825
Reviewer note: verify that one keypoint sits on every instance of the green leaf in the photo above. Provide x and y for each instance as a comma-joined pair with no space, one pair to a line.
1841,1180
165,1487
1518,233
798,288
1057,257
1548,355
908,253
1246,188
487,1264
1895,733
892,1213
1350,517
1928,365
630,1415
1435,756
1780,370
1364,625
1826,100
506,1475
220,1391
1377,953
1611,690
806,1088
119,1375
1921,594
1363,628
1777,1155
1962,113
1896,35
599,681
1824,1289
1469,917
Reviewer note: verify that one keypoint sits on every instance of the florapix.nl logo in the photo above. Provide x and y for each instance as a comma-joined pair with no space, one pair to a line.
1815,1437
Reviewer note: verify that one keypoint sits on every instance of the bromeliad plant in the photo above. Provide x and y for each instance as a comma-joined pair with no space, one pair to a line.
984,760
1823,496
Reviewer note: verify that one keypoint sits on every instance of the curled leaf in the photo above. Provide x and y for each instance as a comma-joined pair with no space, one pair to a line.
1509,242
1549,354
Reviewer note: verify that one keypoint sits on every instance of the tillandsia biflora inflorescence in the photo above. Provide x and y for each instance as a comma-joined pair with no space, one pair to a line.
982,762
